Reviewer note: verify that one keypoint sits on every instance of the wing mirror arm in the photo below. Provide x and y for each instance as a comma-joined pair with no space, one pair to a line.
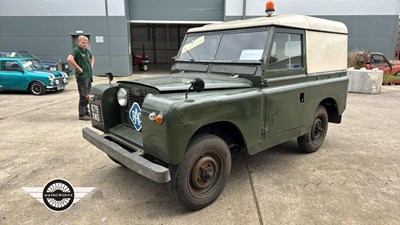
110,77
197,84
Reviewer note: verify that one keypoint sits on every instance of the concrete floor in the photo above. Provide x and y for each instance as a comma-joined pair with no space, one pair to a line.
353,179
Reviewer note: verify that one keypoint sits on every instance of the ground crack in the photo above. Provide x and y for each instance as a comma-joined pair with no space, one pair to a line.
253,191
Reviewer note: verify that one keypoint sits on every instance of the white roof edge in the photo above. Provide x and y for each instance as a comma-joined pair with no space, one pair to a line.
172,22
290,20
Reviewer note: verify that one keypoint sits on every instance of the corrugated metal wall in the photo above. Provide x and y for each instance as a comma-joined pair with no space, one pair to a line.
177,10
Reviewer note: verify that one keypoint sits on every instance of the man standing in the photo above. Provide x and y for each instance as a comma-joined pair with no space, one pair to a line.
83,61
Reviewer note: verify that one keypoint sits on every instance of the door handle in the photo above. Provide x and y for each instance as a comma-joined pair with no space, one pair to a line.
301,98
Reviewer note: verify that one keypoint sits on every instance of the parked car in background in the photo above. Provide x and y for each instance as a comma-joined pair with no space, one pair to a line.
29,74
372,60
53,65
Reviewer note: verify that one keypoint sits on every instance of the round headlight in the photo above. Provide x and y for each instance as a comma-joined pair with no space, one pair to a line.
57,82
122,96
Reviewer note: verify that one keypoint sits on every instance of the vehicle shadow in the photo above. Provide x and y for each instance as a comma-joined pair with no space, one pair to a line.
131,191
21,93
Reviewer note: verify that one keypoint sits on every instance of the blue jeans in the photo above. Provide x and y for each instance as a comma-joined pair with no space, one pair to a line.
84,86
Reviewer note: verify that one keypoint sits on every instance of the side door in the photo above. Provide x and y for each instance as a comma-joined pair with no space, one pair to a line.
380,62
285,89
12,76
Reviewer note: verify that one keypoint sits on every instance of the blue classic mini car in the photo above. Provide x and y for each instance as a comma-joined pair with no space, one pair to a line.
48,64
29,74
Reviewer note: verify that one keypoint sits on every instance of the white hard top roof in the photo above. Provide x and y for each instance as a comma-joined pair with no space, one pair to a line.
290,20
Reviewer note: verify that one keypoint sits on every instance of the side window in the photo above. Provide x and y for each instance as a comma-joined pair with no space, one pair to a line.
378,59
286,52
9,66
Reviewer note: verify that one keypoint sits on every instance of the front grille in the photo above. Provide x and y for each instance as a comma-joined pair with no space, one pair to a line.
60,80
59,67
133,96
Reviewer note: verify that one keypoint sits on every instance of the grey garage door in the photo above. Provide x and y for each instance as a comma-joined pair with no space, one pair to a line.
176,10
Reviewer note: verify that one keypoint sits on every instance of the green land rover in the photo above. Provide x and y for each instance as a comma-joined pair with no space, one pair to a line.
242,85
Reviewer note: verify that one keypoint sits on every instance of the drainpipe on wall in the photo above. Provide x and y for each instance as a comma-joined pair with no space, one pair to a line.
108,36
244,10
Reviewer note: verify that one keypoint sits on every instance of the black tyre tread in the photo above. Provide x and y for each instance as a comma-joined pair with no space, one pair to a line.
304,142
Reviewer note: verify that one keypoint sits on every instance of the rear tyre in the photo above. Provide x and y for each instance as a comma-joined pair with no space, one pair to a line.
140,67
313,140
202,176
37,88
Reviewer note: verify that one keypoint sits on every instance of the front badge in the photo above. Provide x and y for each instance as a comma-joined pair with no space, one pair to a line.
135,114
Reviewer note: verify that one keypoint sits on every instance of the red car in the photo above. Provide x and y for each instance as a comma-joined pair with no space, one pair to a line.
372,60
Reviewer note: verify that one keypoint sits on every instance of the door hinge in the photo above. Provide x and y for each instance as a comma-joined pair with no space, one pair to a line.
264,83
264,130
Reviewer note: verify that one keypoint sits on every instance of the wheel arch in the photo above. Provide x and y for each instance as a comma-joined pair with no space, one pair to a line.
225,130
32,81
332,109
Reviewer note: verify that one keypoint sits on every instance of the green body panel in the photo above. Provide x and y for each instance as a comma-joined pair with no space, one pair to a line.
168,141
285,116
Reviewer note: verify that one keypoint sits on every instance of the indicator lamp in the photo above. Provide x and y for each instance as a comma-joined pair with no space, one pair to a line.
90,97
156,118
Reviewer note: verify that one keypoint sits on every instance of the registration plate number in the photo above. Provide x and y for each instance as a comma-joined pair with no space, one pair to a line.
94,110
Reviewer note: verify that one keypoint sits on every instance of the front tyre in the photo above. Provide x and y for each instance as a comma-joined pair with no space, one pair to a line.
202,176
37,88
144,67
313,140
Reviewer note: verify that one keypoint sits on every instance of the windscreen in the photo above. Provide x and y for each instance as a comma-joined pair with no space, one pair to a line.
232,47
32,65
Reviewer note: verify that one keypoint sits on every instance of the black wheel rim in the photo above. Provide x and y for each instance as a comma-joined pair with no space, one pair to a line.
36,89
318,130
205,175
